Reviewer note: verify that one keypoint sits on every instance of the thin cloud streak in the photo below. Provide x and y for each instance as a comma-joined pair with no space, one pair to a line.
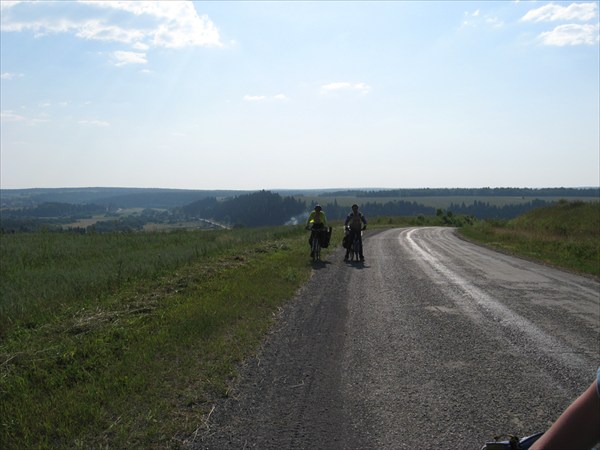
262,98
95,123
552,13
345,86
123,58
254,98
9,116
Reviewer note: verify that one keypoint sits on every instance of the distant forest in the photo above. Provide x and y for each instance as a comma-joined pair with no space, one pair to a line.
262,208
472,192
478,209
28,210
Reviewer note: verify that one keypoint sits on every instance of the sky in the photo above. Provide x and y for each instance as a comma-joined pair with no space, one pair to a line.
250,95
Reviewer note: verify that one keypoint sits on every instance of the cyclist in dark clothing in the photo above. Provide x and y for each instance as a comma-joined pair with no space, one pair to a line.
355,223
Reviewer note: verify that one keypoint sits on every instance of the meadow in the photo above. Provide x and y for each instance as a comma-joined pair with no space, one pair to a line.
565,235
125,340
122,340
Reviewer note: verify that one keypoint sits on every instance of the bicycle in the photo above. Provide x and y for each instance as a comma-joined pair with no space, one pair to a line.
316,239
356,247
512,443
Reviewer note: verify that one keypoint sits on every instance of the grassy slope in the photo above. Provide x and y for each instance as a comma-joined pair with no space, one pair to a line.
138,364
565,235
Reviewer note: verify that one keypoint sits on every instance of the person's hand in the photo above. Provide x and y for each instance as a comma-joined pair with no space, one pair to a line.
364,228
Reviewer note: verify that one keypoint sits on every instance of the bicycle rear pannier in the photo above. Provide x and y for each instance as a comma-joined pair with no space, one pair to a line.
325,238
347,242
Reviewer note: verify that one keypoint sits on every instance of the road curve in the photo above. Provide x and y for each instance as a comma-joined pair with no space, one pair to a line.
433,343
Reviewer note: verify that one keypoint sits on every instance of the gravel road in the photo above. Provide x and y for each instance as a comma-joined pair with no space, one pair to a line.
433,343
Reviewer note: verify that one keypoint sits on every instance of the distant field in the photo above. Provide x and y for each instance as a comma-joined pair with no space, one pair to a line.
195,225
84,223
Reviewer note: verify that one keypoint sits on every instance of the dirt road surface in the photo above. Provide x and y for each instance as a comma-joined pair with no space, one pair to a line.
433,343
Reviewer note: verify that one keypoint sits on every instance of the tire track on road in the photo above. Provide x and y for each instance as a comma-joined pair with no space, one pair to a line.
482,307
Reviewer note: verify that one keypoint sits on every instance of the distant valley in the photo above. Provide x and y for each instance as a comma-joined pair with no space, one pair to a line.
109,209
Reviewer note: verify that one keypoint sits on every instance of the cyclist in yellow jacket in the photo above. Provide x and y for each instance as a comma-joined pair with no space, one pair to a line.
316,222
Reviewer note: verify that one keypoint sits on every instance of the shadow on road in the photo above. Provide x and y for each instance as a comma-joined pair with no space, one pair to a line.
318,265
356,264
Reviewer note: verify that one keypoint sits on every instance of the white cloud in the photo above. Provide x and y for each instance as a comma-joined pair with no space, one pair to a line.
166,24
99,31
346,86
177,22
122,58
571,34
6,4
10,76
473,19
265,98
552,12
95,123
494,22
9,116
336,86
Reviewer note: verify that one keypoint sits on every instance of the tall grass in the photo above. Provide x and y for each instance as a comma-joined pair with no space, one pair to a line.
45,273
123,341
565,235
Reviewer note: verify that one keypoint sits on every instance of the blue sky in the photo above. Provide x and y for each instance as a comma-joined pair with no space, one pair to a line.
275,95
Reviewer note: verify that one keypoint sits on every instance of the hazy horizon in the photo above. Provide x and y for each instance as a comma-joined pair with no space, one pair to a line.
324,189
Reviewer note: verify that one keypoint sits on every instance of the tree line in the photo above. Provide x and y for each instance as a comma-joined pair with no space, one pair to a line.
58,209
263,208
472,192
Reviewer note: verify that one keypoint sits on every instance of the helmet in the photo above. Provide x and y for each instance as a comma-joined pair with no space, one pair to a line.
318,207
355,206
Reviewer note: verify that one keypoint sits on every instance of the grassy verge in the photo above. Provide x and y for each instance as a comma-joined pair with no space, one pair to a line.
565,235
136,362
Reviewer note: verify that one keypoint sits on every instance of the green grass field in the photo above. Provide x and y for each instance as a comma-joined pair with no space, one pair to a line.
565,235
124,340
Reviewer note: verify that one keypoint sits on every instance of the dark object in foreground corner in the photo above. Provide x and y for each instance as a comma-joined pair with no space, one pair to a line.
513,442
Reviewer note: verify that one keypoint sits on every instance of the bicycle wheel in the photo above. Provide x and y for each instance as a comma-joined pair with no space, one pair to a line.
316,249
